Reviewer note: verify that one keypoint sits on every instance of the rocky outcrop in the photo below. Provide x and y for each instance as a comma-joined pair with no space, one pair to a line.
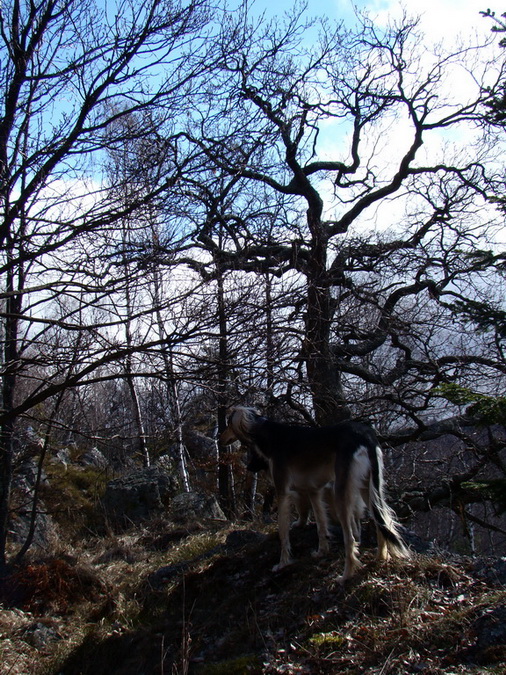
199,445
93,457
23,487
192,506
139,496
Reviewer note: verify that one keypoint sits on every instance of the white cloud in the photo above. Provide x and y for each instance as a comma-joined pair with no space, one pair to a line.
441,20
447,22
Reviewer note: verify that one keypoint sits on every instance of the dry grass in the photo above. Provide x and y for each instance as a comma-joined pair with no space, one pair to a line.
218,609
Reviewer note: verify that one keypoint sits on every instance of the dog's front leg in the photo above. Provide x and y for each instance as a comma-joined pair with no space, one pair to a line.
284,504
302,505
320,513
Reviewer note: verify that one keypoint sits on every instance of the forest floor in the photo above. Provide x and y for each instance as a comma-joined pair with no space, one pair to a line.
161,599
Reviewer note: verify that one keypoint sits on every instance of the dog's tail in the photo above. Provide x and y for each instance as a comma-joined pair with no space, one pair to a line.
381,513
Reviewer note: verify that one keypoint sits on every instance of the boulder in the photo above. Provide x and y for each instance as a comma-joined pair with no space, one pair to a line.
23,485
62,456
40,634
139,496
490,632
45,532
199,445
493,571
192,506
95,458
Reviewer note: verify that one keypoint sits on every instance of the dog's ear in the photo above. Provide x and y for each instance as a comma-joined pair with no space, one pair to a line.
233,418
251,417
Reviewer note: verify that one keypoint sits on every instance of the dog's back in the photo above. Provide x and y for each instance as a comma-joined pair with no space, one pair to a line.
294,442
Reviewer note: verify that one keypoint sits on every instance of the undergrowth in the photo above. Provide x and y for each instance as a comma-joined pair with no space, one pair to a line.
209,604
72,496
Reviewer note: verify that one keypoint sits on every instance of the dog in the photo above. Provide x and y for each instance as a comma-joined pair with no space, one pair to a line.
304,463
302,502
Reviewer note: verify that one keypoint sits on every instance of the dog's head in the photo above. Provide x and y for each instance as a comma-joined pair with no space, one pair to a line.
240,425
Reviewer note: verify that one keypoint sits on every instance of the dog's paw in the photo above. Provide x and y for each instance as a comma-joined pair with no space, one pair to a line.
299,523
281,565
319,553
349,571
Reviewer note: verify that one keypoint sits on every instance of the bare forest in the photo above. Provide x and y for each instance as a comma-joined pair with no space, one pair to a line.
203,208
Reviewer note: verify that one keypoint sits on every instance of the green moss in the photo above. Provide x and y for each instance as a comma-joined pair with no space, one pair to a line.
332,639
238,666
73,495
489,409
492,490
80,482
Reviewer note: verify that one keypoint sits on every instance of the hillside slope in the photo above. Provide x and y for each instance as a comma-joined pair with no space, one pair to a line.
164,600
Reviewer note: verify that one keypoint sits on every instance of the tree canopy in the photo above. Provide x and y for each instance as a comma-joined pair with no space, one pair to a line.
202,207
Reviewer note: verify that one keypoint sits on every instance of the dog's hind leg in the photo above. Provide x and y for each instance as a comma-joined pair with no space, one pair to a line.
347,517
284,504
382,553
358,513
329,499
320,513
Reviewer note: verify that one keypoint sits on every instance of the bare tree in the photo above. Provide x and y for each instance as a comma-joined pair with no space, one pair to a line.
283,117
369,161
70,71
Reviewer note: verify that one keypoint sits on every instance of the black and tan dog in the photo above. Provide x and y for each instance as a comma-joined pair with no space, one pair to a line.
304,461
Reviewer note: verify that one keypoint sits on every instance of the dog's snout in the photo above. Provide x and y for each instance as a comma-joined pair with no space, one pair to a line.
227,436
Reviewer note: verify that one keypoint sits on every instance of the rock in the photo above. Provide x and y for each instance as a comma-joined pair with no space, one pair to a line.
94,458
415,542
490,631
492,571
191,506
490,627
166,463
23,484
45,532
28,444
199,445
139,496
25,475
40,634
62,456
